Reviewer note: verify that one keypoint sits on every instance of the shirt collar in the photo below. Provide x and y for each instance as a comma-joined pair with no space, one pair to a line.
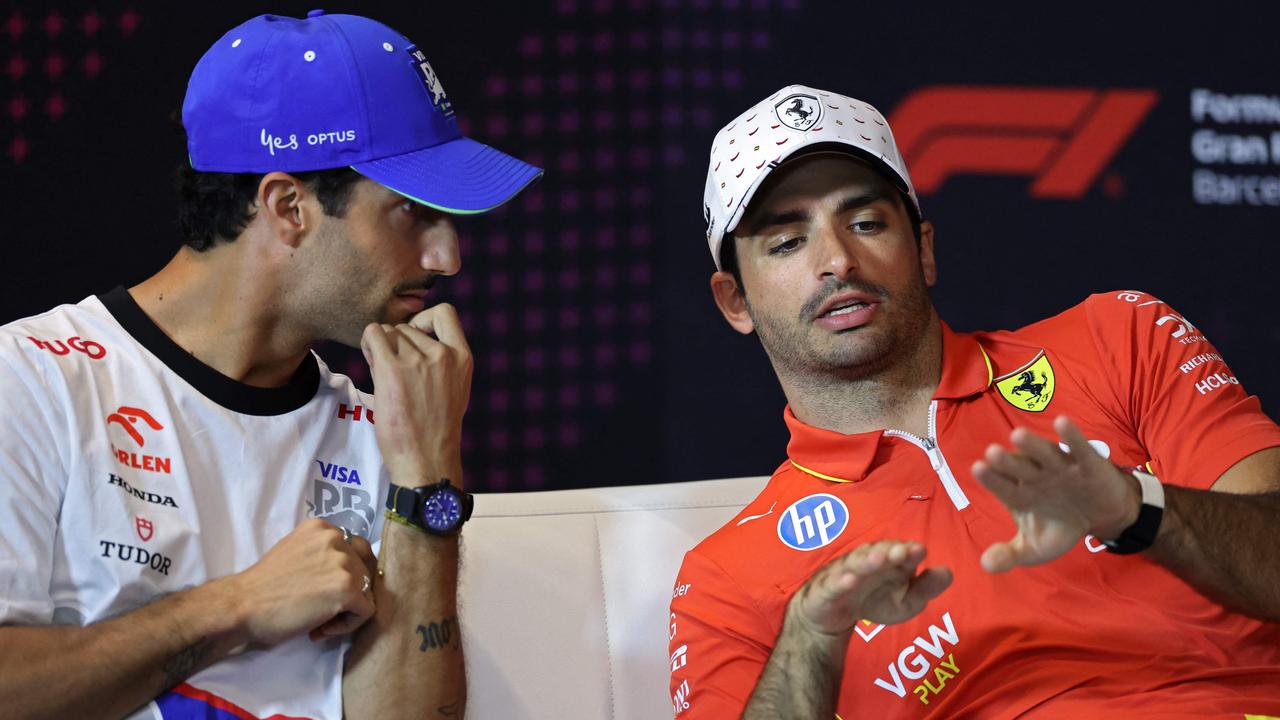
966,368
837,457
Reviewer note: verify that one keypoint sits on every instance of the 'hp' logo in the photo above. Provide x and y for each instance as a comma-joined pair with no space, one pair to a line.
813,522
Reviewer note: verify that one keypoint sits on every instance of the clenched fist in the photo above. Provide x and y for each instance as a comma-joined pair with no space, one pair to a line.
313,580
422,377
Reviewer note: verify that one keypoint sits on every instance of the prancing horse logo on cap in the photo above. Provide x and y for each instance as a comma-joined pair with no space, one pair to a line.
799,112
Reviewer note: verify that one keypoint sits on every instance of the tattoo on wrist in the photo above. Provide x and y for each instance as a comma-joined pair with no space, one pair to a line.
181,666
438,635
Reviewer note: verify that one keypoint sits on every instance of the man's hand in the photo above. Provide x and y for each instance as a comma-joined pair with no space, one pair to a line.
1056,498
876,581
312,581
422,377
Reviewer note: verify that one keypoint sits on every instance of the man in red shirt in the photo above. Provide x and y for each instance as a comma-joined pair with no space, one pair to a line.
811,602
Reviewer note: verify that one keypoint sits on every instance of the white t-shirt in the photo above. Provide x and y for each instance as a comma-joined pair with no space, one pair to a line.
129,469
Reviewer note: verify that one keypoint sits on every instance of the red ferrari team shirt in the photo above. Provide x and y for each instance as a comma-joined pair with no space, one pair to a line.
1089,633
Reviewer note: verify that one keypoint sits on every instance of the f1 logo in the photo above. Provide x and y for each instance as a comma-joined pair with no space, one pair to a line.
126,417
813,522
1063,137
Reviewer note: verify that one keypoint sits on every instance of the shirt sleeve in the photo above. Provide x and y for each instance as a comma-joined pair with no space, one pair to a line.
32,484
1188,409
719,643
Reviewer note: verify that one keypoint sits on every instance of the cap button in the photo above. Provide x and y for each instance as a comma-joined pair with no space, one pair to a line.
315,13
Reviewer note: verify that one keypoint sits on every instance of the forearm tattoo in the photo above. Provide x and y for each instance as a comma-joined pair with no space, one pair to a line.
438,635
181,666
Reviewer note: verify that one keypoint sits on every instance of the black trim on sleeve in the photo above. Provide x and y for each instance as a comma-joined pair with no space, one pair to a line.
230,394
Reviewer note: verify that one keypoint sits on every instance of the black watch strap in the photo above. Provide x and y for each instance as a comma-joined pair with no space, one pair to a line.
405,501
1142,533
405,505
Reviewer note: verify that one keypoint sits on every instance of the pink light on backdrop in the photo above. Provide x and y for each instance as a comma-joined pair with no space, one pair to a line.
49,60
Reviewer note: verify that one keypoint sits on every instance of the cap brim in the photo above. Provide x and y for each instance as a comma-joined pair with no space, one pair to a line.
462,176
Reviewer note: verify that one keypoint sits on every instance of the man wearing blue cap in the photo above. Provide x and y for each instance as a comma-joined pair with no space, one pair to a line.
192,509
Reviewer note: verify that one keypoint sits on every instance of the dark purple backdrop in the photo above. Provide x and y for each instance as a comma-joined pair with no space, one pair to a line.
600,357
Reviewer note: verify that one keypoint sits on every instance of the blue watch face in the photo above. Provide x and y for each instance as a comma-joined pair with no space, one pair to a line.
442,510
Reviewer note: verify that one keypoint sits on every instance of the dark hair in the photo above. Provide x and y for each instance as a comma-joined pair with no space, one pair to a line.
729,258
729,252
215,206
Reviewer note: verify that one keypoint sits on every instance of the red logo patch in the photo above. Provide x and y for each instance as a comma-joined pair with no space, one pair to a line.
127,417
145,528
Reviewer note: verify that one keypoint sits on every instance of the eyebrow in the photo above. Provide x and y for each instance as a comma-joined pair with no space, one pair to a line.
860,201
782,218
853,202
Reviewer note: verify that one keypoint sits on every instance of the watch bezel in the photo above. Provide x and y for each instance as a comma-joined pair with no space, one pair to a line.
454,509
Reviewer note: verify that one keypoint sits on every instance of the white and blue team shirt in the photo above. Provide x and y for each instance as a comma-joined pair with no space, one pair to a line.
129,469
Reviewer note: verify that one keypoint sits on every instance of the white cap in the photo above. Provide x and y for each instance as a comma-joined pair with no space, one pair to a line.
793,119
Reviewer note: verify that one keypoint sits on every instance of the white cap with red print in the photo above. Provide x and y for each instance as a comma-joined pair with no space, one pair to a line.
793,119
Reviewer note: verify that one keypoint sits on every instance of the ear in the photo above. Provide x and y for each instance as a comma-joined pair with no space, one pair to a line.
731,301
927,263
280,197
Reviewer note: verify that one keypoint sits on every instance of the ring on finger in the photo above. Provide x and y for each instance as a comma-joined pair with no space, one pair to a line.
346,536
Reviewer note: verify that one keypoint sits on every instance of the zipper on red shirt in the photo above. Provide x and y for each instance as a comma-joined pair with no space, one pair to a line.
936,459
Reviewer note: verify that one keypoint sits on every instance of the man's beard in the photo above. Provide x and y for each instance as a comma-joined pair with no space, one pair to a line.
797,346
425,282
346,307
343,319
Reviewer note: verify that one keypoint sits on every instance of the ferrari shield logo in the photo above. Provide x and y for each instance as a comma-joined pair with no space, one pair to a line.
1030,387
799,111
145,528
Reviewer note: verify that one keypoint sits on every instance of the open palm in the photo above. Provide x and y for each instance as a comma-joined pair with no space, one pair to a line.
1055,497
876,581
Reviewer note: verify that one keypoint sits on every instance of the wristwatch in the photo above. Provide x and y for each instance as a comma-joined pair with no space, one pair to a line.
1142,533
438,509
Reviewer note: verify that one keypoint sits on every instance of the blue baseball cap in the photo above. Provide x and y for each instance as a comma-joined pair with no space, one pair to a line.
330,91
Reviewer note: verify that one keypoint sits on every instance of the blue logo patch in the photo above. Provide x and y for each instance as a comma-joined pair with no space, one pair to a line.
432,81
813,522
341,499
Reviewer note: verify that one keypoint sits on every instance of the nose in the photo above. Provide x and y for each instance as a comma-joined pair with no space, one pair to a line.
439,246
836,256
